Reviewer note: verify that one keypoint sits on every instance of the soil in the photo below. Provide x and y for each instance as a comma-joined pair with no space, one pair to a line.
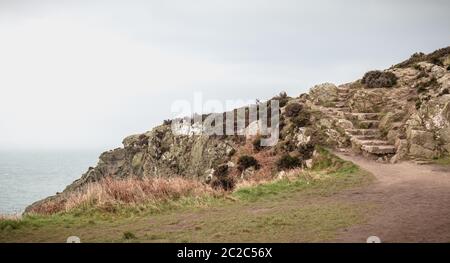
413,201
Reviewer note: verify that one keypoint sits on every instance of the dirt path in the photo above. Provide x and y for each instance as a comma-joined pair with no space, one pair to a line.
414,202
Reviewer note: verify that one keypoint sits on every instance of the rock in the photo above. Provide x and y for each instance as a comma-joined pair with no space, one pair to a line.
248,172
309,163
367,100
324,94
421,152
209,174
281,175
136,162
422,138
344,124
392,136
401,146
231,164
301,137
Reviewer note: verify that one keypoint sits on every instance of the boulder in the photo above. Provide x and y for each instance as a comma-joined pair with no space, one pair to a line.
424,139
324,94
421,152
367,100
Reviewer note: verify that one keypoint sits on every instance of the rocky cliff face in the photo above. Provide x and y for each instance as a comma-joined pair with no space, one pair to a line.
400,113
160,153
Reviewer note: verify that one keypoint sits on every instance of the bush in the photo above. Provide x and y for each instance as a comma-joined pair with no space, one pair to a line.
226,183
221,171
302,120
434,57
221,179
246,161
288,162
379,79
424,86
293,109
128,235
257,144
448,67
306,151
282,99
437,61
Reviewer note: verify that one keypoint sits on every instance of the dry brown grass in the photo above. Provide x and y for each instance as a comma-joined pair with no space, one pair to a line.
265,157
11,217
290,174
109,192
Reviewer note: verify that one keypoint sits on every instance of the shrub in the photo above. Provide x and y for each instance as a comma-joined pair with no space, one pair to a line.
379,79
293,109
448,67
418,104
128,235
257,144
423,86
226,183
422,74
246,161
444,92
282,99
287,161
302,119
167,122
221,171
306,151
433,57
437,61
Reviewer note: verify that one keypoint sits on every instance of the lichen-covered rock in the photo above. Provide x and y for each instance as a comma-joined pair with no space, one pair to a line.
367,100
324,94
160,153
401,146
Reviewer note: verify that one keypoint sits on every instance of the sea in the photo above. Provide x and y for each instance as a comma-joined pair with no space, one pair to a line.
28,176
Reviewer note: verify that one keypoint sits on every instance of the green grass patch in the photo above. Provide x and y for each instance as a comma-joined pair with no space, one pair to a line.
442,161
328,175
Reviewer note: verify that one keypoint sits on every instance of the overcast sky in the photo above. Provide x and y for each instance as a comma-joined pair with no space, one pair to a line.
85,74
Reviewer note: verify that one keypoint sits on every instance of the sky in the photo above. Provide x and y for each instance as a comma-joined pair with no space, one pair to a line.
85,74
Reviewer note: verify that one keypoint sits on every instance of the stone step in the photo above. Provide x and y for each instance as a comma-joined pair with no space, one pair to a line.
364,137
379,149
362,142
340,105
344,109
343,90
373,132
368,124
363,116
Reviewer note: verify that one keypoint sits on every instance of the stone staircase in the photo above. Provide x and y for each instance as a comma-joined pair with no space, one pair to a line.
361,128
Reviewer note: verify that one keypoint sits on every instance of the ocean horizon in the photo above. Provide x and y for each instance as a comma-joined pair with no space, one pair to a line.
27,176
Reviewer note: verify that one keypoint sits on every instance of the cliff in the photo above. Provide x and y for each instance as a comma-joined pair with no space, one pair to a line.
400,113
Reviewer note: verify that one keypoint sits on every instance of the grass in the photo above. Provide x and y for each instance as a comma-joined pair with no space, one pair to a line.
442,161
109,195
302,207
